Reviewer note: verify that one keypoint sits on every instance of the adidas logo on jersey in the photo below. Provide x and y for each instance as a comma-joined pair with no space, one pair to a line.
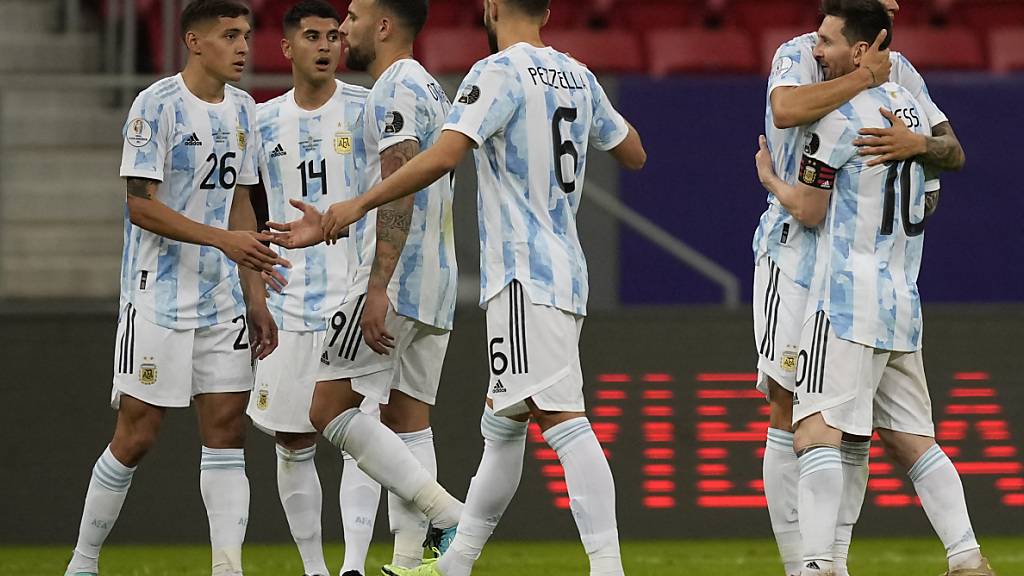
498,388
278,152
193,140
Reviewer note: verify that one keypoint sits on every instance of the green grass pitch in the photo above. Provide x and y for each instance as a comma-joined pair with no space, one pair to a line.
870,557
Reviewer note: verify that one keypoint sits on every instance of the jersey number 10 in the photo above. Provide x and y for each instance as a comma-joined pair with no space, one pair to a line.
899,171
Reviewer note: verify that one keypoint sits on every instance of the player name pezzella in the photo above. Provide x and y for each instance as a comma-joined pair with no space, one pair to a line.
556,78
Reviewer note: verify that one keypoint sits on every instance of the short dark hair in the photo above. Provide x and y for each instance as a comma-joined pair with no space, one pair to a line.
863,19
308,8
202,10
412,13
535,8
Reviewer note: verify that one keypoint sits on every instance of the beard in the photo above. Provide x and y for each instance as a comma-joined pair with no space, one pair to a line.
358,61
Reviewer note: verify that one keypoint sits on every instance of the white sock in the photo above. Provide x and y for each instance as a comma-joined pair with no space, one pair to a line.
490,491
591,493
107,490
942,497
386,459
225,490
820,491
408,524
855,484
781,477
298,484
359,496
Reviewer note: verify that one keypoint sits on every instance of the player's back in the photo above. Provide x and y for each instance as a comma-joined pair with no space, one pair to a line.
870,253
318,157
533,111
198,151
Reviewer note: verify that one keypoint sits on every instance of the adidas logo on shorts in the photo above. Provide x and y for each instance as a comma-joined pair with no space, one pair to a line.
498,388
324,359
278,152
193,140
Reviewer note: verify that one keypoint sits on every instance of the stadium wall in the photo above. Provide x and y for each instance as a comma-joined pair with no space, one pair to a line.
700,184
670,394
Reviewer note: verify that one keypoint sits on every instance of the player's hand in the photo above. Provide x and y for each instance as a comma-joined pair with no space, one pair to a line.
262,331
763,161
877,61
246,248
338,218
276,280
375,310
301,233
890,144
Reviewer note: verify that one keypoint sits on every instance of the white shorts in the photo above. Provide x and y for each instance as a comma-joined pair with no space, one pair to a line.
779,311
413,367
858,388
284,383
533,352
166,367
344,354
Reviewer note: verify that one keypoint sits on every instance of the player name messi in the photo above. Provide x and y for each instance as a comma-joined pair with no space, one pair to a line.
556,78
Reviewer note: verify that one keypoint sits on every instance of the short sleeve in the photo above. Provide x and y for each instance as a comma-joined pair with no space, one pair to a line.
827,147
793,65
904,74
396,115
609,128
250,144
488,98
147,139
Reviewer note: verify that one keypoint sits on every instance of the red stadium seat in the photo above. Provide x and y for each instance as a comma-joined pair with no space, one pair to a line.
913,12
989,14
567,14
604,51
1006,50
644,15
452,50
700,50
954,48
773,38
452,13
757,14
265,46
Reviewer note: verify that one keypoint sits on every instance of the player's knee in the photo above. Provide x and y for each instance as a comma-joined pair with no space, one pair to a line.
295,441
780,401
905,449
411,416
501,429
320,416
129,447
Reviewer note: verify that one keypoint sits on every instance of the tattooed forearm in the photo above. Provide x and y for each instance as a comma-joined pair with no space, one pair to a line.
393,218
140,187
396,156
931,203
944,150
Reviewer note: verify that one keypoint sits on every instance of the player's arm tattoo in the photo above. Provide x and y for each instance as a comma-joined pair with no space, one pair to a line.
141,187
944,150
931,203
393,218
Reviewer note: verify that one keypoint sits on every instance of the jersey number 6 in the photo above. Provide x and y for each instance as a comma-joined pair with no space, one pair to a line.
564,148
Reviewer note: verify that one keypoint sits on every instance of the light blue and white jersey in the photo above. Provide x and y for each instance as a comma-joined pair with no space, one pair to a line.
318,157
407,103
870,244
198,151
780,236
532,113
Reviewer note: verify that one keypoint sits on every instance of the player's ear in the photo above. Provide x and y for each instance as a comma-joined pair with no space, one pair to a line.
192,42
286,49
385,28
859,50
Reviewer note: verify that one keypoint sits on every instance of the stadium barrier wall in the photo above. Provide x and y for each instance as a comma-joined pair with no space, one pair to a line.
670,393
700,184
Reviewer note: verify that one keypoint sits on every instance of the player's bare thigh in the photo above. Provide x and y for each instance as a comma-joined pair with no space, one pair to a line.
331,398
404,414
222,420
137,428
780,402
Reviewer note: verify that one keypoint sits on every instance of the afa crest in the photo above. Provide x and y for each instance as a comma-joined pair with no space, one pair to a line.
147,372
242,139
343,142
263,399
788,361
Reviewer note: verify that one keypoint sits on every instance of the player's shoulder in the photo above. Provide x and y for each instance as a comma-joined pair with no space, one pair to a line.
163,90
239,96
797,45
272,108
348,91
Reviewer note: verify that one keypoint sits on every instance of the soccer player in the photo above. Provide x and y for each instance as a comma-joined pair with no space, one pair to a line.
310,148
407,275
382,36
798,94
860,366
189,327
529,111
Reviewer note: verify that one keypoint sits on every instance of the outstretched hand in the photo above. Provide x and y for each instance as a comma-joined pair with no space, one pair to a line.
304,232
338,218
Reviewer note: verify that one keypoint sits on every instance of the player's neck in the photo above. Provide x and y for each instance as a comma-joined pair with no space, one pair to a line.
386,57
516,31
312,95
202,85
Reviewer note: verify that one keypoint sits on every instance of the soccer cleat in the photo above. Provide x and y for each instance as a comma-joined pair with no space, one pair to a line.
353,573
439,539
984,570
428,568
